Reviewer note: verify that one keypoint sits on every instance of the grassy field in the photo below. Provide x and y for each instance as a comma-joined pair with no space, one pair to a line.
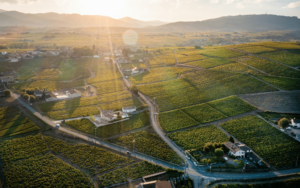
196,138
270,67
231,106
110,97
73,112
219,52
104,72
284,57
13,122
45,74
203,113
150,144
279,149
133,172
255,49
282,83
158,75
176,119
236,67
209,63
109,86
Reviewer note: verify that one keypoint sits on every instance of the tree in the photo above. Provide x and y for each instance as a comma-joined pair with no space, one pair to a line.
31,98
197,47
219,152
134,89
44,94
283,123
7,93
239,162
231,139
26,97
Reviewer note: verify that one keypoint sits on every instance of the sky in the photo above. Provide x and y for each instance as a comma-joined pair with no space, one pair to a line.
163,10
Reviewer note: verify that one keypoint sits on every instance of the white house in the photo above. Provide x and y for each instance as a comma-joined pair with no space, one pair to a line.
3,53
141,60
13,60
2,89
131,56
96,56
108,115
237,149
38,93
73,93
295,123
129,109
135,70
51,97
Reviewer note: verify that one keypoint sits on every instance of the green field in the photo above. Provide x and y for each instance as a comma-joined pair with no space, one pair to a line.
277,148
209,63
219,52
150,144
236,67
46,74
118,105
73,112
109,86
104,72
284,57
282,83
196,138
13,122
176,119
255,49
203,113
231,106
133,172
110,97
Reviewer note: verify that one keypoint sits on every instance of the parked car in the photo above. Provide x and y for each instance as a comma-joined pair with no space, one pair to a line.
128,152
288,128
226,159
57,125
282,130
188,157
195,164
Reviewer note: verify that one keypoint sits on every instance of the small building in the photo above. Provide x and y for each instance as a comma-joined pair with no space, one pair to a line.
50,97
73,93
234,150
295,122
13,60
27,56
135,70
6,79
38,93
3,53
131,56
129,109
155,184
96,56
108,115
141,60
2,89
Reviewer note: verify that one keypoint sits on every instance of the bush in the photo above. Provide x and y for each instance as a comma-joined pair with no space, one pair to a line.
32,98
283,123
219,152
134,89
7,93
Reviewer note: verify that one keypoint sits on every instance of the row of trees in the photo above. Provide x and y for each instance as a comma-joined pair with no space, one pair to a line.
84,51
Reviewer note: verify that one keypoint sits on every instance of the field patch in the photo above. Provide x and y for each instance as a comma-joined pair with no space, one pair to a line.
284,57
231,106
73,112
220,52
109,86
209,63
236,67
279,149
174,120
256,49
282,83
203,113
118,105
196,138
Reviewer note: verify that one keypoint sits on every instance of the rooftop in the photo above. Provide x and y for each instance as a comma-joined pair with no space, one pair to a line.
233,148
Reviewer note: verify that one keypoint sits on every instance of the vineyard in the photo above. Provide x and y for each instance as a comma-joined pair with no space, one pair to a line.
282,83
291,183
274,146
24,165
203,113
95,159
158,75
255,49
132,65
12,122
236,67
73,112
135,122
104,98
133,172
284,57
231,106
196,138
209,63
281,45
150,144
220,52
270,67
174,120
46,74
109,86
118,105
105,72
74,72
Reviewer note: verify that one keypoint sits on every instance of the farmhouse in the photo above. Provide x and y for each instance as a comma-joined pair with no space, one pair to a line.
3,53
51,97
73,93
295,122
13,60
238,149
2,89
108,115
6,79
135,70
129,109
141,60
38,93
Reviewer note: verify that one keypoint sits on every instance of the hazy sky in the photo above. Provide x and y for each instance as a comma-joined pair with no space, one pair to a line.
165,10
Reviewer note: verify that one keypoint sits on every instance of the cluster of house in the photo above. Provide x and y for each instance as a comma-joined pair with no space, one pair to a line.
239,150
107,116
53,96
295,123
16,57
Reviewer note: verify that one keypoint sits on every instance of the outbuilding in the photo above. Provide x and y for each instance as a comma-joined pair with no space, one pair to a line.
129,109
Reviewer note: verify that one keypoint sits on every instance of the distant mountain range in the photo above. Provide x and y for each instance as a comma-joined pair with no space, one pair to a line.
14,18
251,23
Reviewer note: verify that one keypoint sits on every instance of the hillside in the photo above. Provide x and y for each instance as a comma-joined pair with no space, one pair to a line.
253,23
142,23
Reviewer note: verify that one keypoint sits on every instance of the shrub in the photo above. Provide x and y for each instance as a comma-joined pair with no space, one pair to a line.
283,123
219,152
7,93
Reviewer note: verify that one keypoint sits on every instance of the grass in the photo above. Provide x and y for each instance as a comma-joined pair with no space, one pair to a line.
282,83
231,106
196,138
203,113
135,122
209,63
45,74
150,144
284,57
176,119
73,112
279,149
